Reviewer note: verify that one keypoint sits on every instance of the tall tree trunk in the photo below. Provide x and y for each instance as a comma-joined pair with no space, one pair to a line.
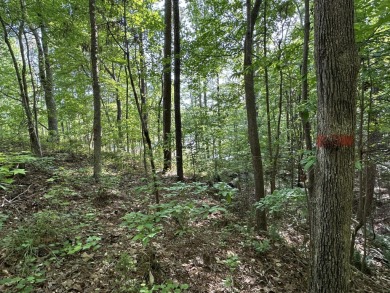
267,102
336,68
46,79
144,125
167,100
34,90
52,117
97,128
142,82
119,115
127,110
178,136
305,115
278,126
250,98
373,137
360,210
21,78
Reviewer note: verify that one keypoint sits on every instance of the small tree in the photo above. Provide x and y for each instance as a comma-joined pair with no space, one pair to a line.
253,135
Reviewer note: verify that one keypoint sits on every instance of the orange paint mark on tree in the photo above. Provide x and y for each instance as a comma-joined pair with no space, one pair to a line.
335,140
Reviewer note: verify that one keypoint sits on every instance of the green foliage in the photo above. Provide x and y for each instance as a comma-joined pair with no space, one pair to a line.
225,191
182,189
261,247
3,218
281,199
25,284
58,194
80,245
46,227
9,167
44,234
146,226
124,267
232,262
167,287
125,264
181,213
308,160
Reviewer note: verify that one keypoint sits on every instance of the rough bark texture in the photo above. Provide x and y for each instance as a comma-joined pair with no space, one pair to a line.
167,101
179,147
97,128
250,98
336,67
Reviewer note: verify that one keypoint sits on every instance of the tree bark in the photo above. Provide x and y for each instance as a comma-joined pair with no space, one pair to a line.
144,122
46,79
305,115
167,100
177,59
97,128
250,98
52,117
267,102
336,68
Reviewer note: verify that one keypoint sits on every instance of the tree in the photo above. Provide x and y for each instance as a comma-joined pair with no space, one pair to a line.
97,127
46,78
336,68
179,147
167,99
250,98
305,114
267,102
21,75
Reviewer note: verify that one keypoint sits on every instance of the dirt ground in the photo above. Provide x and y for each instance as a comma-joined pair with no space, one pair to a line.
78,241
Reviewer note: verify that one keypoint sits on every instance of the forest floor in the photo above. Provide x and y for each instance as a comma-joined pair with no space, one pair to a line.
61,232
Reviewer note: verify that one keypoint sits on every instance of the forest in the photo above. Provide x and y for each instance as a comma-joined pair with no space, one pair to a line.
195,146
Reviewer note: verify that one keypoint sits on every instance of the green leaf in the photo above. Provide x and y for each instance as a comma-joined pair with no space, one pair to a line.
19,171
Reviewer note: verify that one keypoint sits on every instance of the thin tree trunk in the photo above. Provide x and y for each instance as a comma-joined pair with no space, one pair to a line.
52,116
127,110
370,175
34,90
360,210
178,136
97,128
167,101
21,77
250,98
142,75
266,83
277,147
144,126
305,116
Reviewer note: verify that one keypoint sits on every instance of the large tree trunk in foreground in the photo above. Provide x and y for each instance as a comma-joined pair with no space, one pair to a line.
336,67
